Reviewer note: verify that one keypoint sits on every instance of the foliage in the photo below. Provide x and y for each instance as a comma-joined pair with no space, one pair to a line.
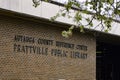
104,11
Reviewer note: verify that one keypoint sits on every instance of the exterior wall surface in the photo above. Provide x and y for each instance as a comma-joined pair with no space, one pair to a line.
36,51
26,6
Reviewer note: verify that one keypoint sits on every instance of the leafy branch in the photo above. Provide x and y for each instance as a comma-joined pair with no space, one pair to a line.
103,11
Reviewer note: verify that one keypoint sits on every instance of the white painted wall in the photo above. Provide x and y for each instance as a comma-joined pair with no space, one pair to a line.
45,10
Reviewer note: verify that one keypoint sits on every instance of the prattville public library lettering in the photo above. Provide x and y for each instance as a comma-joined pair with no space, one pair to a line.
32,45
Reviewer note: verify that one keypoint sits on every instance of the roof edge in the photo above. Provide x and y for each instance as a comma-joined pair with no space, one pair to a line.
98,34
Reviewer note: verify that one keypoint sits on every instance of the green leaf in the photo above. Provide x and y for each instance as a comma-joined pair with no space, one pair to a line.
63,14
106,30
81,28
36,3
46,0
118,12
85,11
111,1
77,4
64,34
77,17
88,19
86,3
68,5
52,19
71,28
69,33
91,24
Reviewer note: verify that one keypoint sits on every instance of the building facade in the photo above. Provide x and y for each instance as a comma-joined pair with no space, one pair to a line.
32,48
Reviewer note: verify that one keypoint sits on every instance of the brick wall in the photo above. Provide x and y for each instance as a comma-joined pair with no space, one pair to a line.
37,51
